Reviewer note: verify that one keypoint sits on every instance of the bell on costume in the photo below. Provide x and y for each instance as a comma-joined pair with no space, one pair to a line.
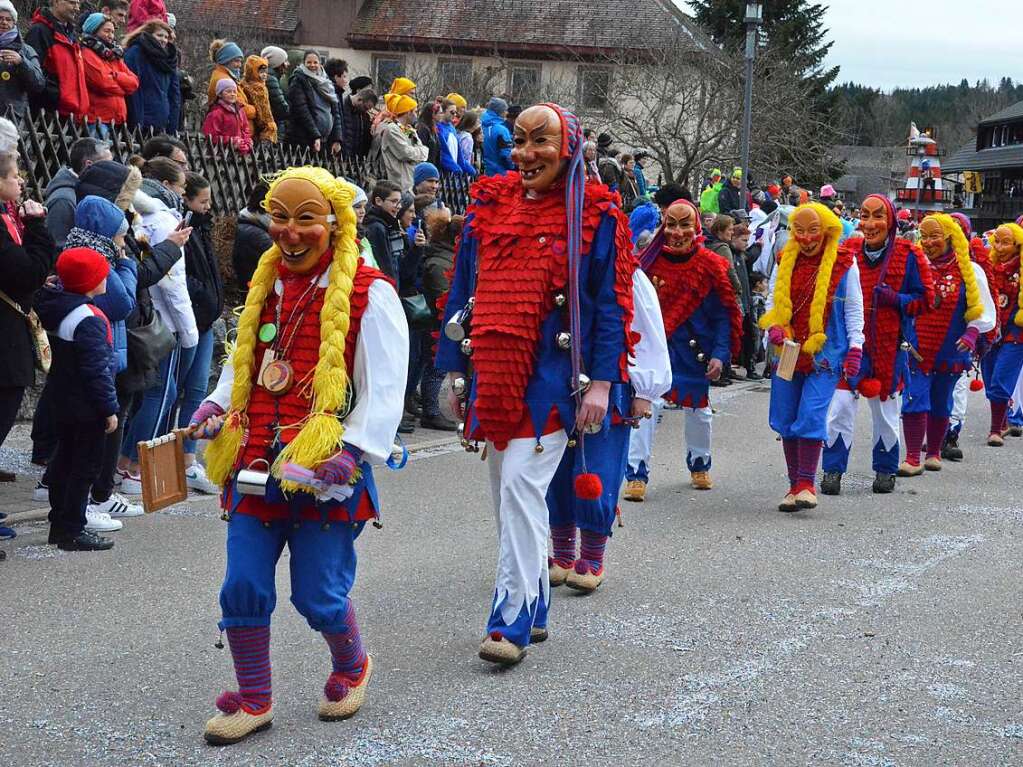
582,384
458,387
457,328
564,340
466,347
692,343
559,299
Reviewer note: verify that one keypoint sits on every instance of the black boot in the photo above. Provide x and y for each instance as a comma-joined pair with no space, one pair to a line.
437,423
831,484
950,450
1016,431
884,483
85,541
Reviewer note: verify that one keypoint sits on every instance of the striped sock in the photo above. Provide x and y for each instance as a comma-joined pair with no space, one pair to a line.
346,647
913,427
809,457
998,411
563,539
591,554
791,447
936,428
250,650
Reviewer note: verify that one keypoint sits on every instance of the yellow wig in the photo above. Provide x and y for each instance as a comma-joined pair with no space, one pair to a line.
320,435
781,312
961,246
1017,235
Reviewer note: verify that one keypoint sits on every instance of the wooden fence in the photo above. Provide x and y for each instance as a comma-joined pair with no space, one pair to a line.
46,141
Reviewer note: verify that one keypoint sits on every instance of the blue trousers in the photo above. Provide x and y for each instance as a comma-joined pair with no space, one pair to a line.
799,408
157,403
193,381
322,571
1001,367
607,454
929,393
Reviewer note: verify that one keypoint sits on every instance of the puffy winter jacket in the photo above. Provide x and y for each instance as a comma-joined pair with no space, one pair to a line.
227,124
251,240
157,101
61,59
110,82
61,200
497,144
18,83
307,103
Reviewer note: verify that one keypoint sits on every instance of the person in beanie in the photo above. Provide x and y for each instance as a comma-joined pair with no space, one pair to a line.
497,140
709,196
227,59
729,198
226,121
425,179
108,78
83,380
277,61
20,72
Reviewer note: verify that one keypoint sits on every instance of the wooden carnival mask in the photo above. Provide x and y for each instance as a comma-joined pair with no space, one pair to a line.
1005,245
932,238
537,150
301,223
807,230
874,223
680,228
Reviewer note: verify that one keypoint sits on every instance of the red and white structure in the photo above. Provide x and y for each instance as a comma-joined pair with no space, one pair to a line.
925,191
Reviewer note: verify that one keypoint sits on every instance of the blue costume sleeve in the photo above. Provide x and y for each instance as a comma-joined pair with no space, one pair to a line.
912,292
449,354
608,325
722,329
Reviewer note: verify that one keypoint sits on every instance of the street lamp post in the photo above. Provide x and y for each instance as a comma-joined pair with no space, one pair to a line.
754,17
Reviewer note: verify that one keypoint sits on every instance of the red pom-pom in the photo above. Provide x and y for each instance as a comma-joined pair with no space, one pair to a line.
229,702
497,636
336,688
588,487
870,388
976,384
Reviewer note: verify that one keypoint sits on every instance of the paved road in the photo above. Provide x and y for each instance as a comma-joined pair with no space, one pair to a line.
875,631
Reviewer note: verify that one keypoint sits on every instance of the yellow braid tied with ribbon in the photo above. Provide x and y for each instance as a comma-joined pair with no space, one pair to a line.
320,436
961,246
781,312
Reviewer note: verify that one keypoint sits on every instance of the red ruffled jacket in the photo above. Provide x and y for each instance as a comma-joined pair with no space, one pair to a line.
110,82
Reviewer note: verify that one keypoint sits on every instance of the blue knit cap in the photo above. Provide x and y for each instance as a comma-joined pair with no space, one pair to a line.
229,52
424,171
93,22
498,106
100,216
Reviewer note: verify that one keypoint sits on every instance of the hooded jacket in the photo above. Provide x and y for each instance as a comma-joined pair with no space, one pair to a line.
227,124
497,144
262,126
388,241
157,101
109,80
61,200
81,375
61,60
19,83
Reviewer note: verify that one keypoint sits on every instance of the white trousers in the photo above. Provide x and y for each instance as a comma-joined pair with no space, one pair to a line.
698,430
960,397
884,415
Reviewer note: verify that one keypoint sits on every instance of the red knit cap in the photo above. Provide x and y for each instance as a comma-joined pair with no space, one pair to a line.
82,269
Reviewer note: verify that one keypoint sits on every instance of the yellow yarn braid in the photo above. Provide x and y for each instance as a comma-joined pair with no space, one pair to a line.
781,311
961,246
321,435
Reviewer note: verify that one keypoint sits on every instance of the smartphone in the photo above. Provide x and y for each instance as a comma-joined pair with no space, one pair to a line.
186,220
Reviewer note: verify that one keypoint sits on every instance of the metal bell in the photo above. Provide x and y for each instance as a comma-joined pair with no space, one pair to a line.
559,299
904,346
692,343
461,429
466,347
538,448
700,357
582,384
465,444
573,442
564,340
458,387
593,428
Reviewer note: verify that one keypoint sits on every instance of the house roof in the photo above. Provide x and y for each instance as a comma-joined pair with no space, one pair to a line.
276,21
1012,112
524,27
968,158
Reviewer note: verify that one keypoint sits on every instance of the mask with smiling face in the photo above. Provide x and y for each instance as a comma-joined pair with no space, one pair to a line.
681,228
875,222
1005,246
301,223
933,240
538,151
807,230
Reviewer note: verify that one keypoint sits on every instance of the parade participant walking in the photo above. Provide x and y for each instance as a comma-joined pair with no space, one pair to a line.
318,333
607,454
944,338
816,302
550,315
703,325
1001,366
896,282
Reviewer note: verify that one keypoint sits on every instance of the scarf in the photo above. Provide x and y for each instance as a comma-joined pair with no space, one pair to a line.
319,80
158,191
106,51
10,40
160,58
83,238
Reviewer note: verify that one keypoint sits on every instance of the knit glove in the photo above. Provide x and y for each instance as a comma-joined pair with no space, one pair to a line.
968,340
853,359
776,335
201,429
340,469
887,297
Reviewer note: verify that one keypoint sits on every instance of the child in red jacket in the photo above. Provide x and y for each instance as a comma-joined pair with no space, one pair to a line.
226,122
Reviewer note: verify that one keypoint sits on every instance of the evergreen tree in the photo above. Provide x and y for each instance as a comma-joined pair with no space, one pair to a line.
794,29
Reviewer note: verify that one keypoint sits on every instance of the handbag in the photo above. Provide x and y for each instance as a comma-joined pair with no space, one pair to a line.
40,341
150,343
417,312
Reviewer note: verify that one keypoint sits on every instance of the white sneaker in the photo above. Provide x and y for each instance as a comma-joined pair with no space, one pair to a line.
41,493
117,506
131,484
197,479
98,522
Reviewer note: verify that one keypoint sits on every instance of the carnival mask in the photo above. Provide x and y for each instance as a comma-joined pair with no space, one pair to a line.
537,150
808,231
301,223
679,228
932,238
1005,245
874,223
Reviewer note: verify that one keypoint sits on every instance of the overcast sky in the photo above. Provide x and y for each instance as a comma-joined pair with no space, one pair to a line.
889,43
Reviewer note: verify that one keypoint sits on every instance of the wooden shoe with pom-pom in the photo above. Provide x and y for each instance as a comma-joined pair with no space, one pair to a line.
234,723
496,649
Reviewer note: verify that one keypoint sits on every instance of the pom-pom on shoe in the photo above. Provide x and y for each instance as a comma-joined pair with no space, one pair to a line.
582,579
234,723
342,698
556,573
496,649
